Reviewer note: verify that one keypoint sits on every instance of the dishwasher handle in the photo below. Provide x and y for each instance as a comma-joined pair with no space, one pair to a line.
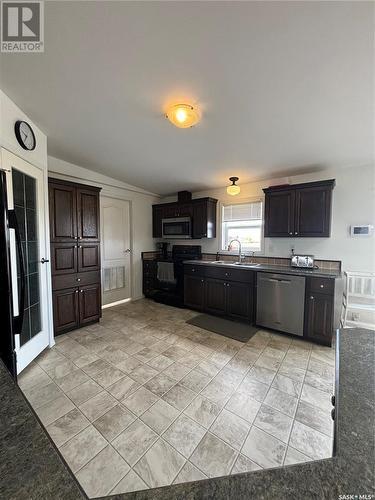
274,280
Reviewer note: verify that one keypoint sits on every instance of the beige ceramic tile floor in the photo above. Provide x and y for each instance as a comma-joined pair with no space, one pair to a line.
144,400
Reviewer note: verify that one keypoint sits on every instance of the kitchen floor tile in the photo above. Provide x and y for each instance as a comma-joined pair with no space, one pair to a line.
195,381
254,389
231,429
315,417
39,396
112,423
160,465
244,464
295,457
281,401
179,396
143,374
67,426
243,406
184,435
274,422
287,385
134,441
160,362
123,388
84,392
160,384
188,474
316,397
131,482
160,416
203,411
108,376
310,442
102,473
83,447
140,401
55,409
213,456
263,449
98,405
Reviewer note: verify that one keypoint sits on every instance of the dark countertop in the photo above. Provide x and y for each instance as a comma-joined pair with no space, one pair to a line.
31,468
269,268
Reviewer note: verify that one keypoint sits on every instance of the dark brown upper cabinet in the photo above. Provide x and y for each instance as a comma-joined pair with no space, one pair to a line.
202,212
87,214
62,211
299,210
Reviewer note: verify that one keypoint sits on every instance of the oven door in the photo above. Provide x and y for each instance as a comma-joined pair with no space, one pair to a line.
177,228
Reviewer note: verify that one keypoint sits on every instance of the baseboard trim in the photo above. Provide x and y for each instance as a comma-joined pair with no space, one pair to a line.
117,303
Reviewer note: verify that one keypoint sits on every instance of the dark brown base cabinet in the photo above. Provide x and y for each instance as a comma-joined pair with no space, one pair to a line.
219,296
75,254
299,210
319,310
231,293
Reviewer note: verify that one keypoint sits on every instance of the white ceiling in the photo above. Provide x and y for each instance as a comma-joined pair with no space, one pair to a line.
283,87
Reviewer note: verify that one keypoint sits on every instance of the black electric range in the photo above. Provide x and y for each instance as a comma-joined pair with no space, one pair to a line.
173,293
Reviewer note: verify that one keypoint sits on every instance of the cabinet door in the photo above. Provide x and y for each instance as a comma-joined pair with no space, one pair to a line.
215,296
62,212
65,309
89,303
88,214
88,257
313,212
319,317
63,258
157,215
239,300
194,292
199,219
279,213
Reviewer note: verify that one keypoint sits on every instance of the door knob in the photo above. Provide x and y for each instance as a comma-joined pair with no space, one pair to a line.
43,261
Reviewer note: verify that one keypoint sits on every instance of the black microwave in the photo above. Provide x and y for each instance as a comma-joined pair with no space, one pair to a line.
176,228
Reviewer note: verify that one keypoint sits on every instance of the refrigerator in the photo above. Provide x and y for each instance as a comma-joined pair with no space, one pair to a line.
11,324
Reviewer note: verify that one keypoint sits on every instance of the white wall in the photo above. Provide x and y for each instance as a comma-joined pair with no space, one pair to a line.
141,212
353,203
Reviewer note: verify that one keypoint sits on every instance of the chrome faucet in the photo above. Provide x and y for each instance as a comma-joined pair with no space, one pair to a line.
239,249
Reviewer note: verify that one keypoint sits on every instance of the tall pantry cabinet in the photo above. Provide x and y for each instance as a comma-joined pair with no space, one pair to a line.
75,254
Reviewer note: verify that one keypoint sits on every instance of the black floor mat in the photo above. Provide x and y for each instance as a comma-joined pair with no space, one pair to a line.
231,329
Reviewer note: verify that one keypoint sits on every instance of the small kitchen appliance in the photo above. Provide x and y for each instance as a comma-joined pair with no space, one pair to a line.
302,261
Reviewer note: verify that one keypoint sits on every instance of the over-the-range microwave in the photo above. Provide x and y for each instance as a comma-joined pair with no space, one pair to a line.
176,228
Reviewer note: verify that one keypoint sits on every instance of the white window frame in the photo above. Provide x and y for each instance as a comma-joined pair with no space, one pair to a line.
221,239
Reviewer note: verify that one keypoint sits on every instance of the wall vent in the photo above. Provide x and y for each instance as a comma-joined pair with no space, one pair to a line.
113,278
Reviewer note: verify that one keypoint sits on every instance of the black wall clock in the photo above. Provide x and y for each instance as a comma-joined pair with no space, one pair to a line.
25,135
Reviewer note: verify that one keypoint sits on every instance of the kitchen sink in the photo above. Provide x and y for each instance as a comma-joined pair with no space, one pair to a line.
228,263
247,264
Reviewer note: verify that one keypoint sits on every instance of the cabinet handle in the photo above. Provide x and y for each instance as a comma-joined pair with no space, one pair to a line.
76,291
202,281
43,261
78,279
75,246
228,284
321,286
81,291
311,297
291,233
80,246
296,232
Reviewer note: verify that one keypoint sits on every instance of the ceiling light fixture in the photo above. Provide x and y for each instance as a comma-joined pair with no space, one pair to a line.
183,115
233,189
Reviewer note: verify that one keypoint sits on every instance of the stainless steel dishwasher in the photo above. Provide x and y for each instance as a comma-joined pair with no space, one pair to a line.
281,302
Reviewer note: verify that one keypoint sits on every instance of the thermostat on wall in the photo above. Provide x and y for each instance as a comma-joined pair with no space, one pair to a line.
365,230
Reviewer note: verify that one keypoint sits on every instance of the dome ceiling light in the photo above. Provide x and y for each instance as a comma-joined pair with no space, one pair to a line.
183,115
233,189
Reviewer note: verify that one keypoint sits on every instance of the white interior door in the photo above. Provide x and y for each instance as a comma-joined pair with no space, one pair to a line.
116,250
25,189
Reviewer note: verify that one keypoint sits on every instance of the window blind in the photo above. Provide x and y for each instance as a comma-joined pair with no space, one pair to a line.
242,211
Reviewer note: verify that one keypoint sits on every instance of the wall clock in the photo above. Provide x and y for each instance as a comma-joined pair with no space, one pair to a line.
25,135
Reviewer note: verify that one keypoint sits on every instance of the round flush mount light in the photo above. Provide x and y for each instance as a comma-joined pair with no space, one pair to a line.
183,115
233,189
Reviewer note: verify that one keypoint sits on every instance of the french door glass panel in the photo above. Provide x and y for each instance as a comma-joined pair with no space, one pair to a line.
25,204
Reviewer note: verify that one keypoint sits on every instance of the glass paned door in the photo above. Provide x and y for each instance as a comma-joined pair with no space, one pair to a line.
26,195
24,199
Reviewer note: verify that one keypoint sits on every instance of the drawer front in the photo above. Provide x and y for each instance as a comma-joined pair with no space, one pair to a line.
229,273
322,285
192,270
72,280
